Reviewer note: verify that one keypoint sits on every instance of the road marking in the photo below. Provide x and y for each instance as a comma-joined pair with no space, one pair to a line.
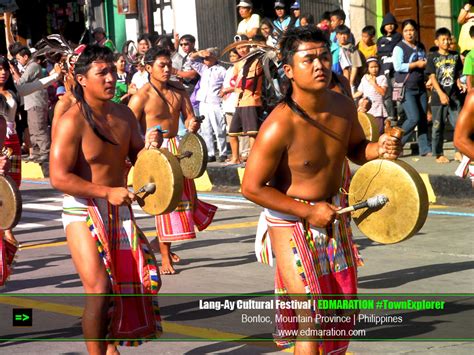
149,234
173,328
42,206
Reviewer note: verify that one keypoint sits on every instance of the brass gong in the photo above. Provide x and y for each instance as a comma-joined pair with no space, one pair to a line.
369,126
10,203
407,207
160,167
192,155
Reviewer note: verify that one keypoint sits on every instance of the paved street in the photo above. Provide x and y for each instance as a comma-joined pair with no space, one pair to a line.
221,260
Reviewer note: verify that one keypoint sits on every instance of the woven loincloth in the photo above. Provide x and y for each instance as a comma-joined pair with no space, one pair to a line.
130,265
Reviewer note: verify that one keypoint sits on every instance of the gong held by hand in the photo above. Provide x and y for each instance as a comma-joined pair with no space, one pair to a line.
10,199
401,184
161,170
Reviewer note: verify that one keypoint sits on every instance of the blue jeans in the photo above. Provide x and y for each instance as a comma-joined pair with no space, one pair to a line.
440,113
414,105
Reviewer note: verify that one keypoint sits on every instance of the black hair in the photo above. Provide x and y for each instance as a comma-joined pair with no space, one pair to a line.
3,108
309,18
326,16
343,29
443,31
82,66
471,32
370,30
293,37
117,56
14,48
165,41
268,22
9,85
410,22
189,38
290,41
24,50
155,52
143,37
339,13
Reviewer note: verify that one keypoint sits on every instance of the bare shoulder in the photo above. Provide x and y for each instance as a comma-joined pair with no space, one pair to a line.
123,112
279,124
72,116
142,93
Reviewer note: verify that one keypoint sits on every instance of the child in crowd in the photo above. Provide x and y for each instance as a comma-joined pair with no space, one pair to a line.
307,20
444,68
385,46
350,59
367,45
338,17
373,86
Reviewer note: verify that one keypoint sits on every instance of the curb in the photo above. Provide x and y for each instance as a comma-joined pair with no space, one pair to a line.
229,178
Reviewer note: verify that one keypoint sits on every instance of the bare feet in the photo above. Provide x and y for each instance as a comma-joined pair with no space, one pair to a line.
167,266
174,257
458,156
112,350
442,159
232,161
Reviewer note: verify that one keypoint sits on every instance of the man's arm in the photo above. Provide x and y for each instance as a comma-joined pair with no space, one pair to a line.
442,95
464,131
64,152
137,105
190,121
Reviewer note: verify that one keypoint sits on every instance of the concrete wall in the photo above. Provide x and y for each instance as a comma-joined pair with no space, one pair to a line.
443,14
362,13
185,21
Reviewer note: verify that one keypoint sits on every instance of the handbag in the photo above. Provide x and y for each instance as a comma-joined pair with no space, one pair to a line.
398,90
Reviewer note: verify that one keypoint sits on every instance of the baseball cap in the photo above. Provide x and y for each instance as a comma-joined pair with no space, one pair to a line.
245,4
279,4
296,5
61,90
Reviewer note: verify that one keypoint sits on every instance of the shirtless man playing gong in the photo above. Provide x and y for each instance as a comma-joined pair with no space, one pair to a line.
296,170
160,102
88,164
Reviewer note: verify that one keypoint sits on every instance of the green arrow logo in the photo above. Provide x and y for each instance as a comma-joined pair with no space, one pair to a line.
22,317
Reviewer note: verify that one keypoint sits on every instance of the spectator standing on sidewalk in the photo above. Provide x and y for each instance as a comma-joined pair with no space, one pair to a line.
212,77
444,68
350,59
367,45
409,62
36,106
250,22
373,87
385,46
